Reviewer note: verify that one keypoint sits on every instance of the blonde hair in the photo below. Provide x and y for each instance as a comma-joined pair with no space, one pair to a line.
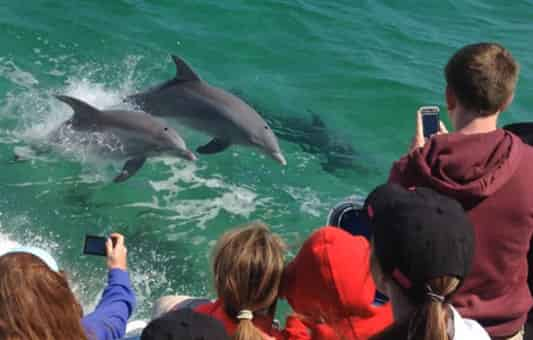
429,321
248,264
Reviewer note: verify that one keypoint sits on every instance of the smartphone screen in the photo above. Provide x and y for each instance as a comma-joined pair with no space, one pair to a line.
95,245
430,120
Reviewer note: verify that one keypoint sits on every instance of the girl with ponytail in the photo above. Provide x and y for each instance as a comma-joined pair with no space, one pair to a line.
248,264
422,249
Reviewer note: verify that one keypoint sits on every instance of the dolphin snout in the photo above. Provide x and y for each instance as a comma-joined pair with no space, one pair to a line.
190,156
278,156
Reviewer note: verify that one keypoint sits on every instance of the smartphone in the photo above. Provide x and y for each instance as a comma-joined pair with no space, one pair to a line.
95,245
430,120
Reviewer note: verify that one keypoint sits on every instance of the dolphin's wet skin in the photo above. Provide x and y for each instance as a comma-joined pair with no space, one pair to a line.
211,110
139,135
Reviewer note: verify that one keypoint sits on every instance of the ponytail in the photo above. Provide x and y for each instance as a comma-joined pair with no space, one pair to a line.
246,330
430,320
248,265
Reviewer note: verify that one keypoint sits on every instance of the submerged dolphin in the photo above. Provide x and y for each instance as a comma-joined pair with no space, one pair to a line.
211,110
139,134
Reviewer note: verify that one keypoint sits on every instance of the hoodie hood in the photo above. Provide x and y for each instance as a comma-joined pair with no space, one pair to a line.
330,280
467,166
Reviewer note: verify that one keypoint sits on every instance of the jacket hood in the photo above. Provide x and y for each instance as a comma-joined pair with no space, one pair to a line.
330,280
468,166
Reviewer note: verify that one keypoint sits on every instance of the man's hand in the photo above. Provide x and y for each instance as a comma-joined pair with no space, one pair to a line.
419,140
117,256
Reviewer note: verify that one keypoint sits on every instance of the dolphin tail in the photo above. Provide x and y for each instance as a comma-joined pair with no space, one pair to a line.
84,114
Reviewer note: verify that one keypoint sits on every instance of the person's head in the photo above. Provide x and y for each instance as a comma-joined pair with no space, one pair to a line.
248,265
184,324
329,284
422,249
481,80
36,300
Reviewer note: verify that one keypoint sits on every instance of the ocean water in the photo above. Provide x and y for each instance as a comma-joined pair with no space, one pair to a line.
339,81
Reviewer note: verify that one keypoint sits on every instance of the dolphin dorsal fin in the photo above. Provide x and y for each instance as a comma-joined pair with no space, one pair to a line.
184,71
84,114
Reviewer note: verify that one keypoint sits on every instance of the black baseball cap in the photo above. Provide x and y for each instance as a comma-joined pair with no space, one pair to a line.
184,324
419,235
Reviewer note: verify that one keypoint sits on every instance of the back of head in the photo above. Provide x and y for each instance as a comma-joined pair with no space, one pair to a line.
329,284
248,264
483,77
184,324
423,244
36,302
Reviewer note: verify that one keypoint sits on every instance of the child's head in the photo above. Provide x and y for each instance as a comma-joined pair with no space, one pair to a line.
37,302
329,285
422,249
184,324
481,78
248,264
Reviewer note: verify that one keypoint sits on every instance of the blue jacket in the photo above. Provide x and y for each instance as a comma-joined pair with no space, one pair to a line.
109,319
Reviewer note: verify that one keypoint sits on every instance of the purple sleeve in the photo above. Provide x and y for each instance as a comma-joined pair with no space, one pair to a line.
108,320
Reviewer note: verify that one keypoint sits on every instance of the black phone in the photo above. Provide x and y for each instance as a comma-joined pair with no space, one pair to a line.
430,120
95,245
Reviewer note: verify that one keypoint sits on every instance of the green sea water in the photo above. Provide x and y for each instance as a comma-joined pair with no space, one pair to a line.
339,81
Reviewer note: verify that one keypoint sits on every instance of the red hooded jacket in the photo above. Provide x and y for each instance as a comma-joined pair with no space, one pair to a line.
330,279
491,174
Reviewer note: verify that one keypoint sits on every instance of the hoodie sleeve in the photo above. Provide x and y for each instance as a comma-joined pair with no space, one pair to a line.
397,171
295,329
108,320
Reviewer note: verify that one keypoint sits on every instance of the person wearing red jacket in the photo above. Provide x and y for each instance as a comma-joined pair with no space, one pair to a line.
330,288
248,265
489,171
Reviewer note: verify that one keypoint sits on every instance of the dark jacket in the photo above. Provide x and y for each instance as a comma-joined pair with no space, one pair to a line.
491,175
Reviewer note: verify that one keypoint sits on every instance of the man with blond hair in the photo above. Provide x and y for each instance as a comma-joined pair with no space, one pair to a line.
490,172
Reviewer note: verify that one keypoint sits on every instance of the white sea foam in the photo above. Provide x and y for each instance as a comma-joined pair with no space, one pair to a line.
37,113
16,75
231,198
310,202
6,243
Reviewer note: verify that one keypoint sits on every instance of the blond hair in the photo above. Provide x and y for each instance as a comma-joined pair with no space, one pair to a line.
248,264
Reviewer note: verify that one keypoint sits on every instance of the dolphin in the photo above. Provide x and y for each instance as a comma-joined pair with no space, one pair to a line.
211,110
139,134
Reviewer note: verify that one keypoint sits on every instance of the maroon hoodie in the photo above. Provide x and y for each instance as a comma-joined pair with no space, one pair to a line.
491,174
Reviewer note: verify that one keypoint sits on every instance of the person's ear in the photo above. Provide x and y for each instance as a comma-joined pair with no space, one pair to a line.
451,99
507,103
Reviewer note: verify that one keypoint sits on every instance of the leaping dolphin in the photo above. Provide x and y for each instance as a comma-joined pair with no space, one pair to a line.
211,110
139,134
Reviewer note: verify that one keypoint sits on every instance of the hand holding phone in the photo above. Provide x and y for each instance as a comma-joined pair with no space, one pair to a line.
117,253
430,120
95,245
428,123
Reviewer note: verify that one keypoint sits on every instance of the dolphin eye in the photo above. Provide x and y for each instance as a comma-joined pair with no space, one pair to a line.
266,127
166,129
